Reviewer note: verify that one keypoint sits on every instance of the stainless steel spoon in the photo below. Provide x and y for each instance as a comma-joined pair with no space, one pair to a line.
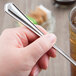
12,10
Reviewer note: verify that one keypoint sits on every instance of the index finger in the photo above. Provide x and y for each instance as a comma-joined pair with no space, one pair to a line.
34,36
31,36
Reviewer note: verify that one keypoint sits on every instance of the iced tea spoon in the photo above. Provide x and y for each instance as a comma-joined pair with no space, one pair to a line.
13,11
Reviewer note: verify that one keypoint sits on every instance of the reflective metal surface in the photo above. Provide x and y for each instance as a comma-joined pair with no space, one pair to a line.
12,10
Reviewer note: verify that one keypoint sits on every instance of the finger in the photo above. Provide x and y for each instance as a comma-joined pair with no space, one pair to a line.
15,36
52,53
42,29
35,71
43,62
23,31
39,47
32,36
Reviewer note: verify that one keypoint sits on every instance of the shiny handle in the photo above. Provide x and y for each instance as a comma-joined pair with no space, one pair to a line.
12,10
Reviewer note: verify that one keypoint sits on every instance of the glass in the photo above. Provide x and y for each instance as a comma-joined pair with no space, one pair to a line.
73,39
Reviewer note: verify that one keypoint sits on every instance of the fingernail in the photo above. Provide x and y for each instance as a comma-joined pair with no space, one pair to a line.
52,38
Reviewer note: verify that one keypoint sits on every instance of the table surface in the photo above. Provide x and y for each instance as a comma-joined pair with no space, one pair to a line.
58,66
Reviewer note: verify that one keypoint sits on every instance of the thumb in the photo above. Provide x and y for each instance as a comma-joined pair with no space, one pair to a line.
40,46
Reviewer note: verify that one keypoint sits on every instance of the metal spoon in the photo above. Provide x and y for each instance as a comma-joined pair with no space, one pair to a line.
12,10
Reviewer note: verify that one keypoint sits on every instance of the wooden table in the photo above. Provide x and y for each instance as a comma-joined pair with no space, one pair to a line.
58,66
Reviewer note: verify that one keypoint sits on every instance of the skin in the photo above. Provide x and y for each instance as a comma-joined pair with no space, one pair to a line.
23,53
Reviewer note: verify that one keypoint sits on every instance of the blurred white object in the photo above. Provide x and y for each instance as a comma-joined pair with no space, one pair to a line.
49,25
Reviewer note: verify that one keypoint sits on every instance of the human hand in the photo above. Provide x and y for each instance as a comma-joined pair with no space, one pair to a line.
23,53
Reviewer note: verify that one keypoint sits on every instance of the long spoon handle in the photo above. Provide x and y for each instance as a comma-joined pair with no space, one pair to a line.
12,10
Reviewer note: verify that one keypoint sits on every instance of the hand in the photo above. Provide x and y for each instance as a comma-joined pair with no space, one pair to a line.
23,53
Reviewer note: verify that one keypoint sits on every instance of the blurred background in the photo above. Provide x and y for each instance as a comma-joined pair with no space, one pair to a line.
58,66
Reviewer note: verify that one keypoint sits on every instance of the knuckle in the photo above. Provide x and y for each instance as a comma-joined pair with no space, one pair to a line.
7,33
7,30
43,45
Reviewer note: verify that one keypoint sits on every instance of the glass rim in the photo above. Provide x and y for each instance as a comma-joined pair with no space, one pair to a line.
73,27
